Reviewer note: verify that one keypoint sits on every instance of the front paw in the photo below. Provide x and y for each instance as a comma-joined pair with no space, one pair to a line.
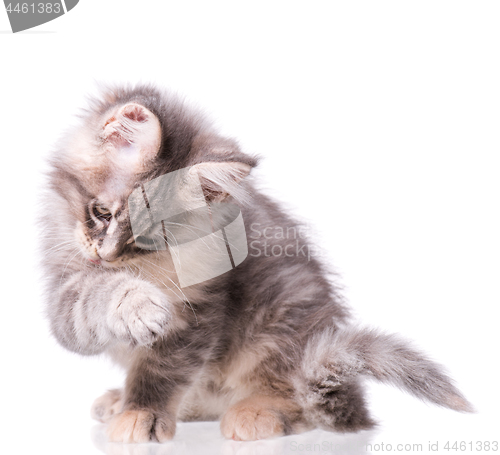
139,312
140,426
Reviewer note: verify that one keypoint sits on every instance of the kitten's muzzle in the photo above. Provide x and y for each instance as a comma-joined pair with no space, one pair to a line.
109,256
109,250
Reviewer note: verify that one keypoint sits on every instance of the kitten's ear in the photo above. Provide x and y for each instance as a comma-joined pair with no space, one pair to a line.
133,132
220,180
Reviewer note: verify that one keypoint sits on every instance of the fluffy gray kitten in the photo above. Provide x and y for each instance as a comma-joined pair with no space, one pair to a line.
267,347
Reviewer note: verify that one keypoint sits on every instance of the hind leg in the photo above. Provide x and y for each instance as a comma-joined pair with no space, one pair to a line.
259,417
107,405
339,407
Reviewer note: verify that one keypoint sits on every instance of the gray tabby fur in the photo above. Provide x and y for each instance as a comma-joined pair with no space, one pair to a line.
268,347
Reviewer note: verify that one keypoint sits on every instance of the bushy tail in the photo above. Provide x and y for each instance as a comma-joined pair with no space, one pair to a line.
334,359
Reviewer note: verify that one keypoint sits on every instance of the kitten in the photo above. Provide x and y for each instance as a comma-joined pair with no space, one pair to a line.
265,344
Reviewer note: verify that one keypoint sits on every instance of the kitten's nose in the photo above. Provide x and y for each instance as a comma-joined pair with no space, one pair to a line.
108,256
109,251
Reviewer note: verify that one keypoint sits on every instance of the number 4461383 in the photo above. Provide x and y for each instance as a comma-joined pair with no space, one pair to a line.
477,446
34,8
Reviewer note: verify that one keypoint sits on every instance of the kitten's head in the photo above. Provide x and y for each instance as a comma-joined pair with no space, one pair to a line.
128,138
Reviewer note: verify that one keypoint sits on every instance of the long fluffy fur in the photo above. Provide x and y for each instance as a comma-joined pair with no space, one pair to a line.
334,361
267,347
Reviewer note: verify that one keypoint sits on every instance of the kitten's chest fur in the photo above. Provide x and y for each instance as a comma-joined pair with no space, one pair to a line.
223,383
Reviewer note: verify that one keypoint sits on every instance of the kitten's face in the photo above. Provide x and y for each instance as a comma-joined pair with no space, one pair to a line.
120,148
116,152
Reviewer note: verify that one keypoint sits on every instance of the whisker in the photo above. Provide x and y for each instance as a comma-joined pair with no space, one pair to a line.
185,298
67,263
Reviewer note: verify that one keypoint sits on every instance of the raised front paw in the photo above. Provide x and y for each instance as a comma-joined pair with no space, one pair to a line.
139,312
140,426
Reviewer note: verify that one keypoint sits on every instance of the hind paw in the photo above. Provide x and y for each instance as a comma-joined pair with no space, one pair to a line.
106,406
247,421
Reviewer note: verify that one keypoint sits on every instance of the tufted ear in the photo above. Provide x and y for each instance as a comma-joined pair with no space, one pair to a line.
133,133
221,179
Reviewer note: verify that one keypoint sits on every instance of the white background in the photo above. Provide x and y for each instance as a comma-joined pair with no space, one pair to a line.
377,121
